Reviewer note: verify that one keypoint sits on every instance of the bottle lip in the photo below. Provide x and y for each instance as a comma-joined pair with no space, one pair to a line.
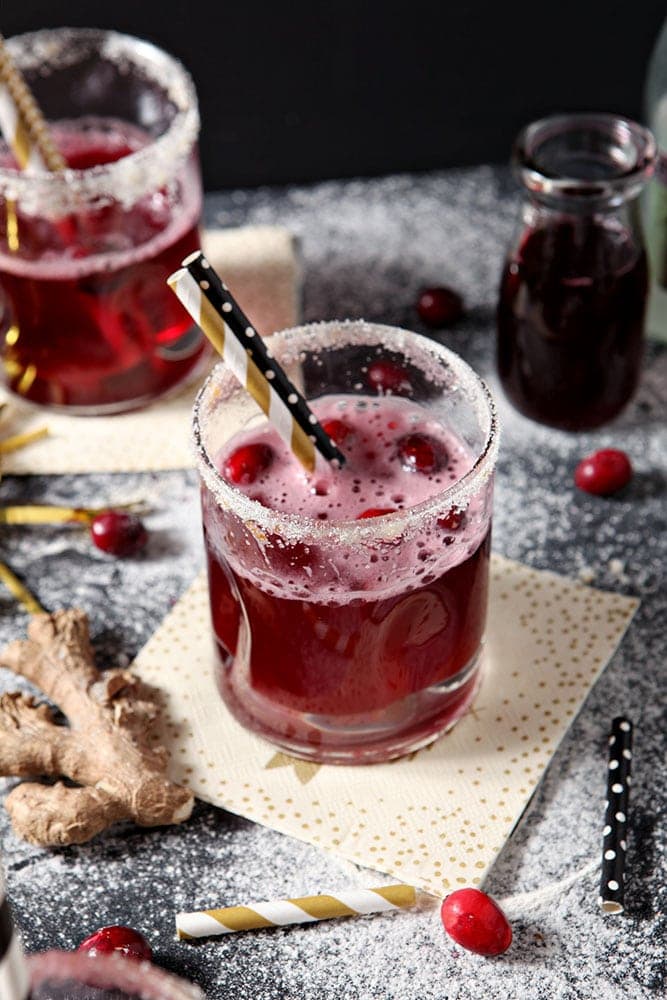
583,157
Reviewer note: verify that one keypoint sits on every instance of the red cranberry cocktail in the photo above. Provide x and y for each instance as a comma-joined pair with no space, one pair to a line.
87,322
348,605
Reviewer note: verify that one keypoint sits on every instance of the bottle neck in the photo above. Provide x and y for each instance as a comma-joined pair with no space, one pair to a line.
580,213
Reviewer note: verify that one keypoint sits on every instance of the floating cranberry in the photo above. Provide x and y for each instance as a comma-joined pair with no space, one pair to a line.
603,472
475,922
118,533
123,940
375,512
247,463
420,453
337,430
452,520
388,376
439,306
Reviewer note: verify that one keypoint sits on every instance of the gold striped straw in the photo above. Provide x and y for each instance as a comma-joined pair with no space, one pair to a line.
216,311
22,122
303,909
19,590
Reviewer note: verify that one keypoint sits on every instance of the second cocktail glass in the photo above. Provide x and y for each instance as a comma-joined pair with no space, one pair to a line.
350,632
62,975
87,323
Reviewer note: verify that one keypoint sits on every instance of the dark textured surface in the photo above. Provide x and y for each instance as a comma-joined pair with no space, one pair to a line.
344,89
368,246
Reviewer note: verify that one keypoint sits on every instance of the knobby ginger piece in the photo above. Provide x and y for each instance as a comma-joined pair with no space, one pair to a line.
105,750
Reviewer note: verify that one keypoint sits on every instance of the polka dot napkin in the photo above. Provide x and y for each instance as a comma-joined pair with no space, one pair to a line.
262,269
437,818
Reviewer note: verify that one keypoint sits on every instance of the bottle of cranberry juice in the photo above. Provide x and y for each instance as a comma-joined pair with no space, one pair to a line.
87,322
574,286
348,606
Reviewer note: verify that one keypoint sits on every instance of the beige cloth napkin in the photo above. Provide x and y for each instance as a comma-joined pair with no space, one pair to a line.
261,268
437,818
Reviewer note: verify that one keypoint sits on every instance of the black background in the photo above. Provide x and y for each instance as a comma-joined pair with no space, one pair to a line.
302,90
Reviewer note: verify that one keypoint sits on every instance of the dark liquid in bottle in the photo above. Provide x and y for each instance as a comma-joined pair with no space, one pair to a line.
570,321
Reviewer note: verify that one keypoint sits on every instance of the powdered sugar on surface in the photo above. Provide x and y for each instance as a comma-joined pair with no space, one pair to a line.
368,246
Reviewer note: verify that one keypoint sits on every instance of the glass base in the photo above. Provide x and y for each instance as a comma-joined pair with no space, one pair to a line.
369,738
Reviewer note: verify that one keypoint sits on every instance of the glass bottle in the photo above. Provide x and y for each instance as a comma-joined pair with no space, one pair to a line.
573,289
655,201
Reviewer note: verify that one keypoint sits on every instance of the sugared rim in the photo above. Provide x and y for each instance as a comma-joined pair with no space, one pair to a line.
141,979
296,526
173,145
636,152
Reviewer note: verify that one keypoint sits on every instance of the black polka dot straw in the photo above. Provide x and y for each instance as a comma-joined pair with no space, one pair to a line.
214,309
614,835
14,983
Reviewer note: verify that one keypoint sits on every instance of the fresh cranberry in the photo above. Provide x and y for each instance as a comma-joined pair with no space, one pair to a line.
420,453
440,306
475,922
247,463
452,520
123,940
337,430
603,472
375,512
387,376
118,533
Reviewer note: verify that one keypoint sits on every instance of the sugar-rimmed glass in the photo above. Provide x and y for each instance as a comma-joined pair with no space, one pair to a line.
62,975
87,323
350,641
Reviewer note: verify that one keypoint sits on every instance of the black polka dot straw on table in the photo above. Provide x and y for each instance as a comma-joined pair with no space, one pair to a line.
214,309
614,835
14,984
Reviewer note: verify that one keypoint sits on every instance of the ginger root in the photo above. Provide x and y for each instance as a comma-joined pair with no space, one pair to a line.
105,749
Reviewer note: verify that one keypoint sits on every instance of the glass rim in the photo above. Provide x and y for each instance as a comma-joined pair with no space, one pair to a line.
111,972
294,526
172,146
626,135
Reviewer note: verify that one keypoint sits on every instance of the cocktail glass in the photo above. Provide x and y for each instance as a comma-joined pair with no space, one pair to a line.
87,323
63,975
351,641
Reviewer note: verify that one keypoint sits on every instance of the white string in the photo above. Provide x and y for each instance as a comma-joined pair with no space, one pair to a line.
516,905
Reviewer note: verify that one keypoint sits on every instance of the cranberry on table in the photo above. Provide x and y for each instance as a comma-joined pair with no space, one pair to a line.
604,472
247,463
375,512
475,922
388,376
439,306
118,938
118,533
420,453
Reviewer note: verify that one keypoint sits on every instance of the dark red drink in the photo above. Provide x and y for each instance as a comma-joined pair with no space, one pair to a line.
346,665
341,647
570,321
87,321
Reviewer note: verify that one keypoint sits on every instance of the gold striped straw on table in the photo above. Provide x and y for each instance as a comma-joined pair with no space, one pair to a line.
302,910
214,309
22,122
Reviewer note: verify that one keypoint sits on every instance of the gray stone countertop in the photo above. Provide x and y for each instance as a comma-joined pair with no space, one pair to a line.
367,247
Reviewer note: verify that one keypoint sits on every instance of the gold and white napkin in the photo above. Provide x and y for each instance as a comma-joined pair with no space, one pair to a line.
438,818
